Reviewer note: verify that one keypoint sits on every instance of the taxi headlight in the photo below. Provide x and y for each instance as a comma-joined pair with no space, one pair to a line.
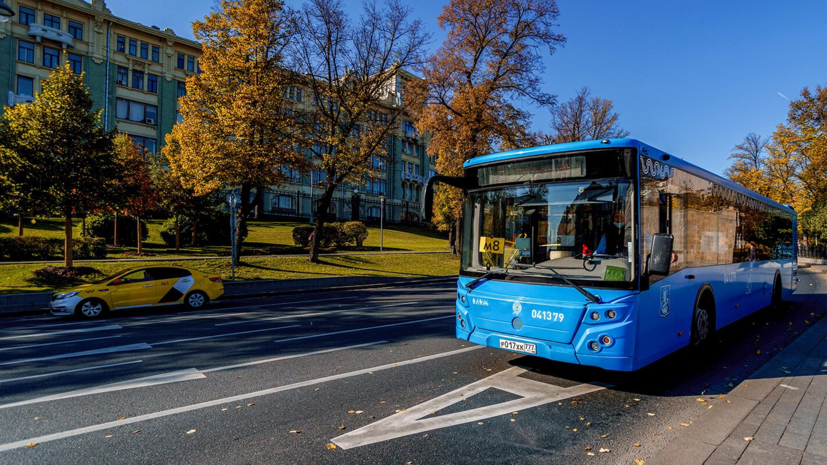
66,295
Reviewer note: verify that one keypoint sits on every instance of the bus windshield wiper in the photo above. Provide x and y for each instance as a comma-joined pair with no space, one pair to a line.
579,288
470,285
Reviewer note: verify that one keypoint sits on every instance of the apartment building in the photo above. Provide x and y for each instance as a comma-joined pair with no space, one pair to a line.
135,72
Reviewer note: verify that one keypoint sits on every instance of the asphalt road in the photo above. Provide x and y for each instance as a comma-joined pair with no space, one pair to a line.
369,376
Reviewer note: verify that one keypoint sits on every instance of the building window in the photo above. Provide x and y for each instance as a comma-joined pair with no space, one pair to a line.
378,162
25,86
133,47
373,212
26,15
121,44
156,54
191,64
51,21
137,80
76,29
293,93
408,126
123,76
284,204
318,177
182,88
291,175
180,64
152,83
75,63
144,50
25,51
51,57
145,143
136,111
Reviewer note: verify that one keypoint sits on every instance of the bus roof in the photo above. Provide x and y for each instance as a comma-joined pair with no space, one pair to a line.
652,152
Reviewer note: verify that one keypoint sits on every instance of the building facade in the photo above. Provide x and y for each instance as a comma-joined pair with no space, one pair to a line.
134,72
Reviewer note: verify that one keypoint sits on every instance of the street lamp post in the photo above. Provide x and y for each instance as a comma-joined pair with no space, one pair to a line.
381,222
6,12
233,197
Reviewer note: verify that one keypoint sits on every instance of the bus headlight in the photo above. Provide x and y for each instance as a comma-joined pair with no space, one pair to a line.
611,314
593,345
595,316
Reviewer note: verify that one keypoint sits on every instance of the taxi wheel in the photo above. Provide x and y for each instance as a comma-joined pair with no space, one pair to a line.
91,308
196,299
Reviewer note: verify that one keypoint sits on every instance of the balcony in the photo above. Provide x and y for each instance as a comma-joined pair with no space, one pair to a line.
413,177
15,99
45,32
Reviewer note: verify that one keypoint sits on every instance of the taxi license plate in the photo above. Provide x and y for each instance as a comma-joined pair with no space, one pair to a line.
518,346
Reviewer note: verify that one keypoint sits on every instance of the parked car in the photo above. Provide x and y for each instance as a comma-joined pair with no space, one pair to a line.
144,286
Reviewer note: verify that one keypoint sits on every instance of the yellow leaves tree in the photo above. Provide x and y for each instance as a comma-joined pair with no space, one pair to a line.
58,152
138,193
239,129
490,59
355,71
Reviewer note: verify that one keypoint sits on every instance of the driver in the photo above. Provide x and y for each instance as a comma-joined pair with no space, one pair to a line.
613,241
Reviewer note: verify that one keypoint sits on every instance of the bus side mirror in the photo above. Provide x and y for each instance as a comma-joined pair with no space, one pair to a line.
660,260
428,192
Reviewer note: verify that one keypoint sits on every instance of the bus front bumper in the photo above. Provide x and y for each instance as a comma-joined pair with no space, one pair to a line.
551,350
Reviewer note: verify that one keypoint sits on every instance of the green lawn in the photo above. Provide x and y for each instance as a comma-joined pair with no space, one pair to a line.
19,278
265,237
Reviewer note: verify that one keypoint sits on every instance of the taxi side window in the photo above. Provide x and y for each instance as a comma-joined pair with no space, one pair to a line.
140,275
171,273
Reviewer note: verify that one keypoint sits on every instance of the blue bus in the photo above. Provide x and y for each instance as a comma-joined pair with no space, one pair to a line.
611,253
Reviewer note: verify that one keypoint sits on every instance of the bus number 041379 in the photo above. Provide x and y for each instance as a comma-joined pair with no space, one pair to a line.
550,316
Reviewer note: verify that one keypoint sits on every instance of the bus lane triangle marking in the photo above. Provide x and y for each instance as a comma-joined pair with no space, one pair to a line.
417,419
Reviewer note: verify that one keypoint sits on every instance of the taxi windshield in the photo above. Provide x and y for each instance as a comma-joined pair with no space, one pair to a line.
582,230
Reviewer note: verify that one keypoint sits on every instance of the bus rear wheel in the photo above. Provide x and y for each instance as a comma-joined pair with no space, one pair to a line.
703,320
776,293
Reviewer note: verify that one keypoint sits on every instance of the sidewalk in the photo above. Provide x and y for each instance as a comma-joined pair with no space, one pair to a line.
776,416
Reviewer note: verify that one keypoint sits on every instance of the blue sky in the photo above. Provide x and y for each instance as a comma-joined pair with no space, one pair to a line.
691,78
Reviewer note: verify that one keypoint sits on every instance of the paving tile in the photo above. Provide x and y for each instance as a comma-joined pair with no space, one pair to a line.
813,459
762,453
718,423
683,451
731,449
794,441
770,432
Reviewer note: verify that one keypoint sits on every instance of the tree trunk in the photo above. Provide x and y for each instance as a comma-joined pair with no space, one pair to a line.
321,215
457,234
245,207
138,238
177,235
116,241
67,244
83,226
193,239
20,225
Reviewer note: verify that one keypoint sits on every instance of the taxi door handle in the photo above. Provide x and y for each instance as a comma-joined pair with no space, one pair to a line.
148,285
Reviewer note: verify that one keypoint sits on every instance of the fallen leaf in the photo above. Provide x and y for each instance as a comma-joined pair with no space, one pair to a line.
514,413
513,420
224,409
190,431
359,412
250,405
721,396
590,454
108,436
637,444
588,448
37,418
582,419
627,406
684,424
604,436
237,406
700,400
31,444
588,423
295,431
749,438
758,352
136,431
381,401
342,427
670,428
639,462
351,411
331,446
655,434
237,377
568,427
604,451
574,430
121,418
479,422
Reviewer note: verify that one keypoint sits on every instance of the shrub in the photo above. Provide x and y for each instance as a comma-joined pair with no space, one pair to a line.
103,225
29,248
301,235
59,275
212,227
356,232
84,248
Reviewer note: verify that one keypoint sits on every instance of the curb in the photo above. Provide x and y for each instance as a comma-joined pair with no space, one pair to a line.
37,303
707,433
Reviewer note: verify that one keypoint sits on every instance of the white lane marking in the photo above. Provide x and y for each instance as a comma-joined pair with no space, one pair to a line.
222,401
289,303
287,357
301,315
418,419
182,318
165,378
107,350
59,343
68,371
363,329
58,333
224,335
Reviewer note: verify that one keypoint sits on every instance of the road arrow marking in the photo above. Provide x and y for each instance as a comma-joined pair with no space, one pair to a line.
413,420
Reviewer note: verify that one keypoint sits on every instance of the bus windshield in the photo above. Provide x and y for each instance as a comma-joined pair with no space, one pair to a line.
581,231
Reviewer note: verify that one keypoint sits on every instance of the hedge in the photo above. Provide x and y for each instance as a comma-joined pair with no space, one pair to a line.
338,234
39,248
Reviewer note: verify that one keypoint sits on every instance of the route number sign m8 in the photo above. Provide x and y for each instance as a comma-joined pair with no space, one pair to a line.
493,245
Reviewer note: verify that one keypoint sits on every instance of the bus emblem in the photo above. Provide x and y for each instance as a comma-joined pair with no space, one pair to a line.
517,308
517,323
664,300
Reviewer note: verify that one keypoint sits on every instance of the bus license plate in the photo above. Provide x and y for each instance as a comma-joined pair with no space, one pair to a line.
518,346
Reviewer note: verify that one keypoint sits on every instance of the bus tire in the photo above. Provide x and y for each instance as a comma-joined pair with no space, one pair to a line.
703,318
776,292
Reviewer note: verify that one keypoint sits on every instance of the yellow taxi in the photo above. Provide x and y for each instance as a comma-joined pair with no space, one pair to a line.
143,286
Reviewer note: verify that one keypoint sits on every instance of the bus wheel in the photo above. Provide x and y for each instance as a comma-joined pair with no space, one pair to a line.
776,293
703,320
